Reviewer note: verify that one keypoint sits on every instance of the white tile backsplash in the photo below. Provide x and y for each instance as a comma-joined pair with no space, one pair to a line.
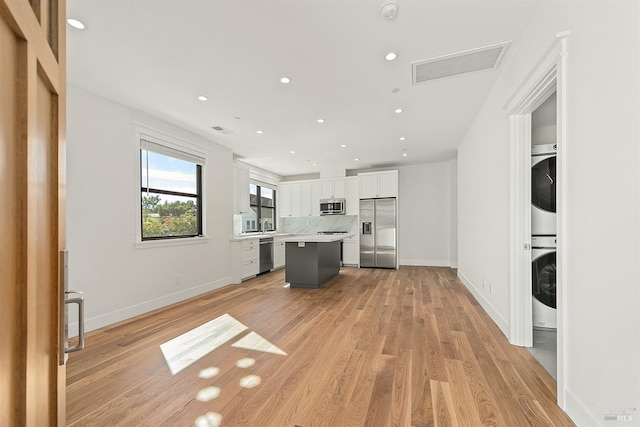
311,225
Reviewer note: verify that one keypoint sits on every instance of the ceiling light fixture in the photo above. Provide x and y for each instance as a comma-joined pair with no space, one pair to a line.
404,154
285,80
357,159
260,132
402,138
343,145
202,98
78,25
391,56
395,90
292,152
389,11
398,110
320,120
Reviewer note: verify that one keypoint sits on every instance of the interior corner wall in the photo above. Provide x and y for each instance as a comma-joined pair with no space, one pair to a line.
602,215
119,278
424,214
453,214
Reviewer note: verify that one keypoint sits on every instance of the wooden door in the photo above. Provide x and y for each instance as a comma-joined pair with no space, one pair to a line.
32,117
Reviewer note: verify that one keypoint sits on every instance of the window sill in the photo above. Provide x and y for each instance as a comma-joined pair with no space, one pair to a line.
171,242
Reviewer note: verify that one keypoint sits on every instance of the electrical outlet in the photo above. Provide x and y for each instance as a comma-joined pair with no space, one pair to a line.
178,280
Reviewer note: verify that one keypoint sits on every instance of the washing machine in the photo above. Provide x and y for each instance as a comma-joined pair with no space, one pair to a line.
543,284
543,190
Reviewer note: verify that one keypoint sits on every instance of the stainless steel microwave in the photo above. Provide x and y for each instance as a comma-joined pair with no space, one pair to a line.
332,207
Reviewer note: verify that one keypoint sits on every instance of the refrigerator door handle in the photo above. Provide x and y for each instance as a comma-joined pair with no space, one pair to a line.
366,228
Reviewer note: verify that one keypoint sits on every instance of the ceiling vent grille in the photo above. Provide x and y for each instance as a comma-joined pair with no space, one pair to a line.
221,130
481,58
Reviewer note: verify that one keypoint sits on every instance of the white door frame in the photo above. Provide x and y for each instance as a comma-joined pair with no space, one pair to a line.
548,76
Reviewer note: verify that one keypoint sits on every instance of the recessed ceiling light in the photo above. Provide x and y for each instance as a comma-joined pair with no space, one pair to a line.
391,56
78,25
260,131
237,118
398,110
402,138
356,159
395,90
404,154
285,80
202,98
292,152
320,120
315,164
343,145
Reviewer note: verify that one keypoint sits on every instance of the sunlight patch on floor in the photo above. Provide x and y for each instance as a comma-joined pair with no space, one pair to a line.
253,341
246,362
210,419
207,373
250,381
208,393
189,347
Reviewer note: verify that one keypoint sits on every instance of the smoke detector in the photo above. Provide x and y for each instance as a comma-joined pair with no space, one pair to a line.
389,11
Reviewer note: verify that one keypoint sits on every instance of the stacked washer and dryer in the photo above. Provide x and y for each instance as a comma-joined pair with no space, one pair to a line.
543,235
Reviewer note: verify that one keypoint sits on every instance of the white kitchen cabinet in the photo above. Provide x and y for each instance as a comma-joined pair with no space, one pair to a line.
378,184
245,259
250,258
353,196
296,199
299,199
278,252
351,251
333,189
309,199
284,200
240,190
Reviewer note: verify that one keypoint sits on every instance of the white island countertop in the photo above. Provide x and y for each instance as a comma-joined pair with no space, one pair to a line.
318,238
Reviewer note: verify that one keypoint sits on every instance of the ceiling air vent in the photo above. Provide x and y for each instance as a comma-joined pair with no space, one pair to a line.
481,58
221,130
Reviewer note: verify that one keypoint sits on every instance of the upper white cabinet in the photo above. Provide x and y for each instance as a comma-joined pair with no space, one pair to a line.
240,190
296,199
378,184
333,189
352,199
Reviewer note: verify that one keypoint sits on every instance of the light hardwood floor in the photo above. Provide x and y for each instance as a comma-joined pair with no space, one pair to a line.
407,347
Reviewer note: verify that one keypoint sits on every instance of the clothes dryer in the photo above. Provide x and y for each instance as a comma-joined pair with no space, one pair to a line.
543,190
543,284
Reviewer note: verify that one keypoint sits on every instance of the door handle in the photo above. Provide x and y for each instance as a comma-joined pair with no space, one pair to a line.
80,301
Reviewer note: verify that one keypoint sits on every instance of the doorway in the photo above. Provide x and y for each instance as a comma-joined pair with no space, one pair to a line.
546,79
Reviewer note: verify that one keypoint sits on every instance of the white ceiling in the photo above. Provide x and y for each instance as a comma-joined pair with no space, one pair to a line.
159,55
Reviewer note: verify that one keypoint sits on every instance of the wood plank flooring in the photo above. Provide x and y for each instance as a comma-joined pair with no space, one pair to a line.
373,347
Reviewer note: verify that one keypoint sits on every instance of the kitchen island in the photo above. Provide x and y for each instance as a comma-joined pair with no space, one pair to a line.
313,260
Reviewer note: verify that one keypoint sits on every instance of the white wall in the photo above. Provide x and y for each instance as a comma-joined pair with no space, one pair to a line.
453,214
119,278
424,214
603,193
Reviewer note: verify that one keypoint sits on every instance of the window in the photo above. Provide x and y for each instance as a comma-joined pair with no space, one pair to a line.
262,201
171,192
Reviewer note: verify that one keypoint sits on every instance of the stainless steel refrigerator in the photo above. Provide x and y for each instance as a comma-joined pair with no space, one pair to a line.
378,235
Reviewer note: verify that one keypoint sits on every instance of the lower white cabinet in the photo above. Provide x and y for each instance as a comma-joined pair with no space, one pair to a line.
245,256
278,253
351,251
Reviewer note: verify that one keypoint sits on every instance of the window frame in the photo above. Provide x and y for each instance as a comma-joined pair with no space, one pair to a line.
259,186
172,144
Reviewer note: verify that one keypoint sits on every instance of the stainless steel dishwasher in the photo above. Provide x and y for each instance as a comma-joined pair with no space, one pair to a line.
266,254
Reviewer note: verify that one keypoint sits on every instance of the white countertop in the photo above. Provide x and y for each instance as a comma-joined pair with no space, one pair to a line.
259,236
318,238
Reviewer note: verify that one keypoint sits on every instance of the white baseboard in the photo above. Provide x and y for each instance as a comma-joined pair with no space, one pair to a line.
454,264
102,320
500,321
579,413
425,262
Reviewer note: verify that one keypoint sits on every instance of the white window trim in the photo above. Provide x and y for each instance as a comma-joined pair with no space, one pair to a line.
143,132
